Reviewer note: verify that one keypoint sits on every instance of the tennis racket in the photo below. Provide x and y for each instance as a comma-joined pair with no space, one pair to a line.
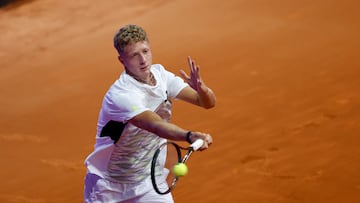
164,159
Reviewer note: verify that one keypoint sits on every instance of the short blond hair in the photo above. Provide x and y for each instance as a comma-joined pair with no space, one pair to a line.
129,34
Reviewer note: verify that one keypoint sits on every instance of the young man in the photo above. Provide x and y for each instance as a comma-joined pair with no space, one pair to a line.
134,121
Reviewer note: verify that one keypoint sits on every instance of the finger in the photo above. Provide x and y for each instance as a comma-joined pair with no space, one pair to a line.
209,140
197,74
190,63
193,64
204,146
192,68
189,60
197,71
184,75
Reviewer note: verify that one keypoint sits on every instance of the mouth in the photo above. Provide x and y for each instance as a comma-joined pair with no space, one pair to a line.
144,68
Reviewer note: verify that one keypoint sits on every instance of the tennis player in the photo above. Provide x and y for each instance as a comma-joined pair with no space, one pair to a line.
135,119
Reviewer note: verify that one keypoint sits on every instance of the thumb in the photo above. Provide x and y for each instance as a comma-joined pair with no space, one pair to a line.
184,75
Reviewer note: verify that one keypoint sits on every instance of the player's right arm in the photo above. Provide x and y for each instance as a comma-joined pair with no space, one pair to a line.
152,122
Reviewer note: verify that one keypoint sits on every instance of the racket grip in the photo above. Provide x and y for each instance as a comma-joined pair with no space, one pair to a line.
197,144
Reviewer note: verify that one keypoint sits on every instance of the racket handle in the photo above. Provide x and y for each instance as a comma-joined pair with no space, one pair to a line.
197,144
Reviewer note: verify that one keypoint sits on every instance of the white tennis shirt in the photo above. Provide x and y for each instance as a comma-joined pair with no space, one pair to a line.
123,152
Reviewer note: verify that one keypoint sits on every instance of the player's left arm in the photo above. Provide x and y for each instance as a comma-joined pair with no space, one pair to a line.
197,92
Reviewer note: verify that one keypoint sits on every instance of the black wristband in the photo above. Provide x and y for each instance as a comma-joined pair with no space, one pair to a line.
188,134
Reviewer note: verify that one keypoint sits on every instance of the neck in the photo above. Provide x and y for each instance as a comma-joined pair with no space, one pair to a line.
150,79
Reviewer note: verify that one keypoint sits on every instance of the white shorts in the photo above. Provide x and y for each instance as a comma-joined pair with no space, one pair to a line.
99,190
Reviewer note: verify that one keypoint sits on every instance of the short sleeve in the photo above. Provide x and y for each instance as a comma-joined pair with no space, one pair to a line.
122,107
174,84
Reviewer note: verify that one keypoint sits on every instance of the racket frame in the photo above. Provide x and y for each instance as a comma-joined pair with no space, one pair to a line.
193,147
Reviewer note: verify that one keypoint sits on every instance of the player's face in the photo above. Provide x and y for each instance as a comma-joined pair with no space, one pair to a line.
137,59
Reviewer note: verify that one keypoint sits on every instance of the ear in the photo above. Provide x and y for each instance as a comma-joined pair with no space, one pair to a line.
120,59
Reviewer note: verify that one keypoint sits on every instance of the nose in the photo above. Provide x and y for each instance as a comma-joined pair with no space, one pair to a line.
142,59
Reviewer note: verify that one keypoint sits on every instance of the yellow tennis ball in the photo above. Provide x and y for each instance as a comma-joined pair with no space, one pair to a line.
180,169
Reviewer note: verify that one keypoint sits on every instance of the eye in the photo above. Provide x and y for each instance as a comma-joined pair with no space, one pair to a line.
146,51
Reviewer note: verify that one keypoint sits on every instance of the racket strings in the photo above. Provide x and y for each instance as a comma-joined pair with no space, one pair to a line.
165,158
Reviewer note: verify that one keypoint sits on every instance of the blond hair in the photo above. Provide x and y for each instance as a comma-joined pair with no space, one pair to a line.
128,34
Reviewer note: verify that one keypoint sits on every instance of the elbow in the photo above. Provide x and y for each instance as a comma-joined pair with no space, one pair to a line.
210,105
211,101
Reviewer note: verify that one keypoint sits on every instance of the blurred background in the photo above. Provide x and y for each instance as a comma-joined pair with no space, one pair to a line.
286,75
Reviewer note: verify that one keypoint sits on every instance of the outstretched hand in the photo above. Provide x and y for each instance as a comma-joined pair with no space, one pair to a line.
194,80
